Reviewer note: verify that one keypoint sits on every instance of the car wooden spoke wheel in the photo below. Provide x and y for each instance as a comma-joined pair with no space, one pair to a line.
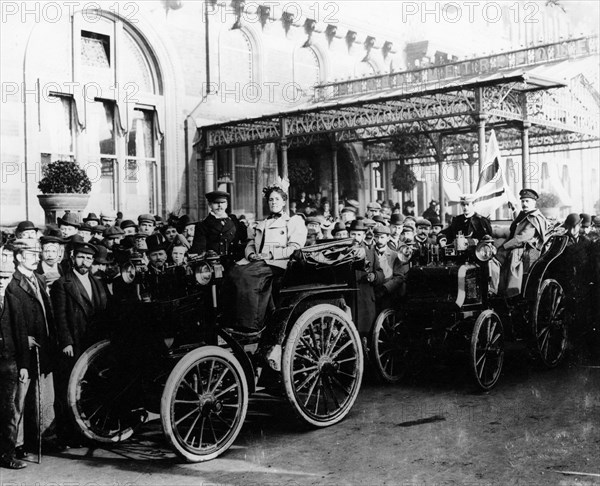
487,349
322,365
204,403
389,347
102,398
549,323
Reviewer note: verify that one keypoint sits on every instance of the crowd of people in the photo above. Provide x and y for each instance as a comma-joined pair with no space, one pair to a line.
55,282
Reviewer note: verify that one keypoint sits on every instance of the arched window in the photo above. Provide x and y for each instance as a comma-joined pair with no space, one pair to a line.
307,69
236,63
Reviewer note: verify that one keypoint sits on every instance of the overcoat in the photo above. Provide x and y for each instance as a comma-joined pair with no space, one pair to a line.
24,314
365,298
476,226
226,236
75,313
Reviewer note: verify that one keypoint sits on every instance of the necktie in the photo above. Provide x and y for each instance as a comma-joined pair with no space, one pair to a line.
274,216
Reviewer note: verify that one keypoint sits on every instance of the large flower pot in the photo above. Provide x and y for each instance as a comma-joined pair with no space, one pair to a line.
55,205
550,213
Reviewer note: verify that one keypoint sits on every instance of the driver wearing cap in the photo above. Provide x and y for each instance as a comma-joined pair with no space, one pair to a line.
470,224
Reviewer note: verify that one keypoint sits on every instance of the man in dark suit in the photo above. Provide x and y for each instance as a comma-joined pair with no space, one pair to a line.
79,300
366,279
394,271
53,247
10,374
219,231
470,224
28,313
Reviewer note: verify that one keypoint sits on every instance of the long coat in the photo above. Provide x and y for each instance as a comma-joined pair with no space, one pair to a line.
24,315
394,272
280,237
365,298
75,313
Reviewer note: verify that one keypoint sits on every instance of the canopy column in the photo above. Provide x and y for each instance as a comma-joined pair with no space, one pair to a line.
525,152
335,178
283,149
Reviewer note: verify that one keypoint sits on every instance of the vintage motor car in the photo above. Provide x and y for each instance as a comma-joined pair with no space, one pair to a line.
449,308
166,352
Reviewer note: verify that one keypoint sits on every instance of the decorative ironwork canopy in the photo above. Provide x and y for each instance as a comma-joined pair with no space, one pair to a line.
537,87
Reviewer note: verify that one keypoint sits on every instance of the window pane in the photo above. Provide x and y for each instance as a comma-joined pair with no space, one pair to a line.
140,188
101,128
107,183
57,127
140,140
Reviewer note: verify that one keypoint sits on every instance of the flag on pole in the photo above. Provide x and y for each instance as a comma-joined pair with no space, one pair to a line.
492,189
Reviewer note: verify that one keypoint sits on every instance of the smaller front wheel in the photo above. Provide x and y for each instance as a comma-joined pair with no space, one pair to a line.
204,403
487,349
322,365
389,347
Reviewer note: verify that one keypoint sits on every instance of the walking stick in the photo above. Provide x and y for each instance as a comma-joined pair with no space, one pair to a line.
39,400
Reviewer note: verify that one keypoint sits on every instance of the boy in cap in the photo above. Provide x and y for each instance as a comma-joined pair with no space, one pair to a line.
79,300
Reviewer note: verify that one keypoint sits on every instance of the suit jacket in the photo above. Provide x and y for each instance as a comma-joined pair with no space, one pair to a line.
475,227
22,316
280,237
75,312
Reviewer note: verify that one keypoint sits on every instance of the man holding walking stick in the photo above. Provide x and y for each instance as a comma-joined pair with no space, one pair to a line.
28,314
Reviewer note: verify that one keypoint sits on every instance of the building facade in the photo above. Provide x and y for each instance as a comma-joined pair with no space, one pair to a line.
123,88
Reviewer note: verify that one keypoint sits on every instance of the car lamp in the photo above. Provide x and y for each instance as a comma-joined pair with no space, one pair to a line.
203,274
485,251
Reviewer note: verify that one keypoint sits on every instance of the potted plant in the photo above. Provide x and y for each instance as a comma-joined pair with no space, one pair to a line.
64,187
548,204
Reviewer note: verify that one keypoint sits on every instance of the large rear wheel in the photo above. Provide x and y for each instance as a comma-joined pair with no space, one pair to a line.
103,397
204,403
549,323
487,349
389,347
322,365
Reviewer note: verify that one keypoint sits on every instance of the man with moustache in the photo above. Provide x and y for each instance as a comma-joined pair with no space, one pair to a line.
28,312
219,231
79,300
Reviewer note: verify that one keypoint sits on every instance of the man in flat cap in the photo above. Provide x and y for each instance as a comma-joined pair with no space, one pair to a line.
219,231
469,223
29,312
53,248
79,300
524,244
422,240
108,217
146,224
373,209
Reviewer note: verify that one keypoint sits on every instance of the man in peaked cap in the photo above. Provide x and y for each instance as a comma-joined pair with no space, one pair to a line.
112,236
108,217
348,213
373,209
129,227
92,219
523,246
79,300
26,229
469,223
586,225
220,231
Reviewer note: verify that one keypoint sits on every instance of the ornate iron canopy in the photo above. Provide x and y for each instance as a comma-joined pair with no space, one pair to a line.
538,86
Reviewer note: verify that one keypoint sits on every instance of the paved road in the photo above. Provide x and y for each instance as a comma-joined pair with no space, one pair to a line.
433,430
